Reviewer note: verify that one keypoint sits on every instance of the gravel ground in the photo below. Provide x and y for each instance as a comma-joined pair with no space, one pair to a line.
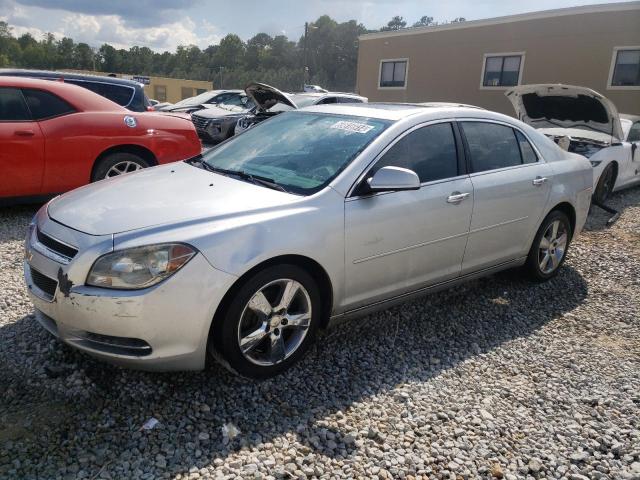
499,378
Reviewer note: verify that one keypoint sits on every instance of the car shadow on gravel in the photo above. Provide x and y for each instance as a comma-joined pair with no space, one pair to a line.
306,408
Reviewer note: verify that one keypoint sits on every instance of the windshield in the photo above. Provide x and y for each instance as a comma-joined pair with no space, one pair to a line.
299,151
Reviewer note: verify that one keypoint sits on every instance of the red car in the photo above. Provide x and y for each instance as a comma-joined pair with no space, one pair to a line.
55,137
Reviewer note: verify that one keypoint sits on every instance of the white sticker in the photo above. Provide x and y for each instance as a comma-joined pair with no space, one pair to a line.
352,126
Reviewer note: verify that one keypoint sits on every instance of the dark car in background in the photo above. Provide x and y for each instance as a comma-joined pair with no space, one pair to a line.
126,93
270,101
204,100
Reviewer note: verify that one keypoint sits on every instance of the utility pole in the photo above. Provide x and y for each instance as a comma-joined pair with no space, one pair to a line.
221,68
304,67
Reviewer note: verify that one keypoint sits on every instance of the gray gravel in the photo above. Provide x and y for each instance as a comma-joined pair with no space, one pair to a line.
500,378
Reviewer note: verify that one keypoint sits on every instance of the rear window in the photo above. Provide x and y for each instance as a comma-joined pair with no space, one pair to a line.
45,105
120,94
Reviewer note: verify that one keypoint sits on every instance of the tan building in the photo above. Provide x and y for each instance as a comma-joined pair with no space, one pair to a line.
163,89
474,62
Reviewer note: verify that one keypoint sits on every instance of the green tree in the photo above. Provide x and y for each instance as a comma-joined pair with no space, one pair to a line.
396,23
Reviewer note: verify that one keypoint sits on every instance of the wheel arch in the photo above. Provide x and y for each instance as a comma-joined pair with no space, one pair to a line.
139,150
311,266
569,210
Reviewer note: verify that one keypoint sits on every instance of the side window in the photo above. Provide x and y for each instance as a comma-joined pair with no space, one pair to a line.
491,146
235,99
527,151
12,106
634,133
429,151
349,100
328,100
45,105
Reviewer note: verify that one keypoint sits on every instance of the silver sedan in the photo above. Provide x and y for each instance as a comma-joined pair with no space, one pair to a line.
313,216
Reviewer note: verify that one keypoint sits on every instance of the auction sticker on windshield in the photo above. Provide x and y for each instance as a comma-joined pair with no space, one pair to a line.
352,126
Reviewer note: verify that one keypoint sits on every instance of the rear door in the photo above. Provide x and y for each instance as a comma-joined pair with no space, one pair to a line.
511,184
21,147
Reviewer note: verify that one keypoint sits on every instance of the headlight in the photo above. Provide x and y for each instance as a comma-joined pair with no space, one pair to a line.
140,267
595,163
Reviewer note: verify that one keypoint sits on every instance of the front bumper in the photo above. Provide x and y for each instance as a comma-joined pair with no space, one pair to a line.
164,327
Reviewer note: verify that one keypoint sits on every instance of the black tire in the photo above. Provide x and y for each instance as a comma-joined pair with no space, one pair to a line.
533,265
225,339
105,164
605,184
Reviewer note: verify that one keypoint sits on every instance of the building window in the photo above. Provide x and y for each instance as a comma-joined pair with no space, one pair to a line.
625,67
187,92
200,91
393,73
160,92
502,70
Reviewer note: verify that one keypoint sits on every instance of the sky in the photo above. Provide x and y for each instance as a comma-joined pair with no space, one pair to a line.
165,24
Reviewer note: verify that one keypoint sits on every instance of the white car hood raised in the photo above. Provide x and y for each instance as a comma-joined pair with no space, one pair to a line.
565,106
167,194
266,96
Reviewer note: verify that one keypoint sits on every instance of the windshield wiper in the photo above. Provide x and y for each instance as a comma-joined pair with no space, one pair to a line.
256,179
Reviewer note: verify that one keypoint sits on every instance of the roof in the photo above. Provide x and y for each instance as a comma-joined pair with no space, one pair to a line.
16,72
387,111
558,12
81,98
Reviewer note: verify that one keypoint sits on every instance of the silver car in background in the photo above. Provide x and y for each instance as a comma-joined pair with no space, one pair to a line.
316,215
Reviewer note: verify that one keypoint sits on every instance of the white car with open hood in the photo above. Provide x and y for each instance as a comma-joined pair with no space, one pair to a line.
583,121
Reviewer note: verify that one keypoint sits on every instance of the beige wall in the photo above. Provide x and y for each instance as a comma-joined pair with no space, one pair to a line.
446,64
176,89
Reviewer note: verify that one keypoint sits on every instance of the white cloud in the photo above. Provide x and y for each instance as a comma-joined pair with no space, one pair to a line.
98,29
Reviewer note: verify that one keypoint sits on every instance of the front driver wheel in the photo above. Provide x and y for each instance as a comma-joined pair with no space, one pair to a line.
605,183
270,323
549,248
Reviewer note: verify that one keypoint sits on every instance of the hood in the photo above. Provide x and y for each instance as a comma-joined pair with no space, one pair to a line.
565,106
266,96
169,194
218,111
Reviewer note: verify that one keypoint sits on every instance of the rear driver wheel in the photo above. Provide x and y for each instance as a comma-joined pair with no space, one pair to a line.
118,164
549,248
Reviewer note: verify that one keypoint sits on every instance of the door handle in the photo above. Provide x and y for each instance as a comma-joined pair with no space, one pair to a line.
25,133
457,197
539,180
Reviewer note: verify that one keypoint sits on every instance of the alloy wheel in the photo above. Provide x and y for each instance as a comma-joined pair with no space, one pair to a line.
553,246
274,322
122,168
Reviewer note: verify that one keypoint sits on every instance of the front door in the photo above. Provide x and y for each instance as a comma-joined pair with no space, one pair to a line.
511,186
22,151
400,241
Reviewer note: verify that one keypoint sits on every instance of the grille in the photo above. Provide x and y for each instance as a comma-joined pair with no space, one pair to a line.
199,122
56,246
44,283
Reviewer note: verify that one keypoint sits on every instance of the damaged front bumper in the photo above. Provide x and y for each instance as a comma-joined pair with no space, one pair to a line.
164,327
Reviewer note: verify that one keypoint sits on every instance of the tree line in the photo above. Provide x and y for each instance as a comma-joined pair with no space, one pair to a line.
329,50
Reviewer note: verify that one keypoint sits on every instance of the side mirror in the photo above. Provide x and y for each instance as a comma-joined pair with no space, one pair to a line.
393,179
634,147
